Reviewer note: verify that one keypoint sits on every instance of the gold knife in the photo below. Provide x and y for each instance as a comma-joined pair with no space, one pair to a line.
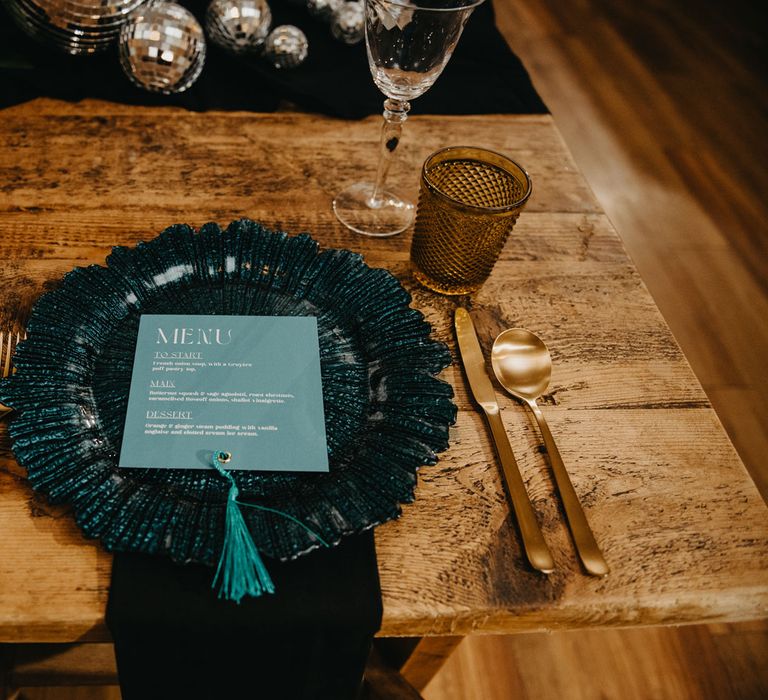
536,548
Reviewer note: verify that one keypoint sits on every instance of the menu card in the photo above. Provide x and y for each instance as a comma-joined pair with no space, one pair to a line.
248,385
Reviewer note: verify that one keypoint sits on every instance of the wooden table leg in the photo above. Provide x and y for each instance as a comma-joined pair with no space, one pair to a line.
427,659
384,682
417,658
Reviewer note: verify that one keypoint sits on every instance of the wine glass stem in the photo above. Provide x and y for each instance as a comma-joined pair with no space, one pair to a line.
395,114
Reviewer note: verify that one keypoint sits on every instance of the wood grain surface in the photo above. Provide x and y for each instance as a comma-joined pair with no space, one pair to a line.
682,525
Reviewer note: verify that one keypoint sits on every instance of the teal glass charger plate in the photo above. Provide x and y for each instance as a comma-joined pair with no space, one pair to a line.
386,411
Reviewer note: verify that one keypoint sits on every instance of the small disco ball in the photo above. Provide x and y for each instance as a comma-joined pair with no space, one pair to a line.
286,46
162,47
82,27
240,26
324,9
348,23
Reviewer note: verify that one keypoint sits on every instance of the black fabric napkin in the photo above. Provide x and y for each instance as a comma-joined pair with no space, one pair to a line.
309,640
482,77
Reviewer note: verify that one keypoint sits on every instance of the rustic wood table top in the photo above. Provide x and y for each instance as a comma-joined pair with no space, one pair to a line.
682,526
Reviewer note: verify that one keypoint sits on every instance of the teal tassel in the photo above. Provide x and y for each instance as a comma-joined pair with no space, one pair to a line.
241,571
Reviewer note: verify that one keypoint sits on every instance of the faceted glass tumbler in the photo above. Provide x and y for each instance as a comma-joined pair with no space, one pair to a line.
469,201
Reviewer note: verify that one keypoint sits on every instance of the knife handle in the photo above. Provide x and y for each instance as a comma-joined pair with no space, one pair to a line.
536,548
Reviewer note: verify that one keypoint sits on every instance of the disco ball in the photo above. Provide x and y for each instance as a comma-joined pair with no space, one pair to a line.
77,27
162,47
324,9
286,46
240,26
348,23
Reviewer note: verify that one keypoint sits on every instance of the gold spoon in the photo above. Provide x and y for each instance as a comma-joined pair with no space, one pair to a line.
522,364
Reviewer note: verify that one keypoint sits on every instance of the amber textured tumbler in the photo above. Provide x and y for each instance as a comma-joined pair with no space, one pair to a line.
469,201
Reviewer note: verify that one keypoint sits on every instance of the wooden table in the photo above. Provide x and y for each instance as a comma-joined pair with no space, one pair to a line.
682,526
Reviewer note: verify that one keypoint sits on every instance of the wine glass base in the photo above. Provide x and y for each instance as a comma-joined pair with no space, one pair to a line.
388,216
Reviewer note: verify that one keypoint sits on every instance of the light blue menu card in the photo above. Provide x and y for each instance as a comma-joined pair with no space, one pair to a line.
248,385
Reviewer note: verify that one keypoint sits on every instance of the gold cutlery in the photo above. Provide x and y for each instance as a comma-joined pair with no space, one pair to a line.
536,548
8,342
523,366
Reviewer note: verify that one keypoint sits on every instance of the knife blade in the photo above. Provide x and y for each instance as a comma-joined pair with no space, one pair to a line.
474,362
535,546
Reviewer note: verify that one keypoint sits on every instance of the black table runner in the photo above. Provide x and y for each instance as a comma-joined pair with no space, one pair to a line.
482,77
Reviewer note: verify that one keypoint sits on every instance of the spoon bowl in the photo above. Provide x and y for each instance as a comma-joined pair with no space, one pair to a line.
521,363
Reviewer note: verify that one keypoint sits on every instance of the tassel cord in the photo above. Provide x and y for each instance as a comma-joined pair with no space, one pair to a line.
234,492
288,516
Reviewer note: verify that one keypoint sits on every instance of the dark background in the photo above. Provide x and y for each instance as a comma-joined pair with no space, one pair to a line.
484,76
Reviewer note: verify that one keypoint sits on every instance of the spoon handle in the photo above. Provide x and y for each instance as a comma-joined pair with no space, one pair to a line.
586,545
536,548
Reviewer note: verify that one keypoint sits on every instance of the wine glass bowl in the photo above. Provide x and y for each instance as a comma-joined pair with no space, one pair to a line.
408,43
407,50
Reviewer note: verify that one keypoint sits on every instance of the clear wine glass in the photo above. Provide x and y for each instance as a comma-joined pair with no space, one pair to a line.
408,43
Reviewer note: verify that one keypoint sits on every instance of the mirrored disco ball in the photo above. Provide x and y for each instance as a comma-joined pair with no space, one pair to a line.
324,9
162,47
240,26
348,23
74,26
286,46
